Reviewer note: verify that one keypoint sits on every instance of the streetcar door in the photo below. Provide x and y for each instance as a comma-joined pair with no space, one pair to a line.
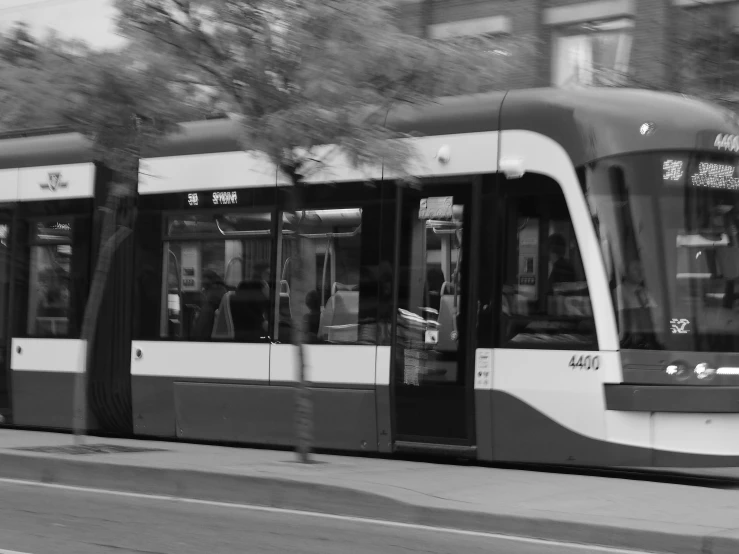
432,383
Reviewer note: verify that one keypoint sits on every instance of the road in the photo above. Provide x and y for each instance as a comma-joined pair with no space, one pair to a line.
49,520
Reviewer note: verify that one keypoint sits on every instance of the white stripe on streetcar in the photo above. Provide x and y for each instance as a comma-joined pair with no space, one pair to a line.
349,519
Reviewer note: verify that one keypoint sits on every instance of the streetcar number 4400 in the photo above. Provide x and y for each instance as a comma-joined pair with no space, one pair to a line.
587,363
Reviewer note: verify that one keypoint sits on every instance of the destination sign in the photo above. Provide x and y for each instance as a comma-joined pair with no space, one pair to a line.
701,174
51,231
212,199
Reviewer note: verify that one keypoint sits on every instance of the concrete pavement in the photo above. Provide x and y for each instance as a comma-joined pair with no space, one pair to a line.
614,512
45,521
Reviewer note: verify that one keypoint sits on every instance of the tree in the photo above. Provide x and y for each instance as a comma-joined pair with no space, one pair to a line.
18,46
34,89
123,102
125,105
310,81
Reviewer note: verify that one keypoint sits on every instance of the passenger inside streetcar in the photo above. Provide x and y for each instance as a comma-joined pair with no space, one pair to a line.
545,295
53,304
244,314
312,319
249,307
264,273
562,270
213,290
434,285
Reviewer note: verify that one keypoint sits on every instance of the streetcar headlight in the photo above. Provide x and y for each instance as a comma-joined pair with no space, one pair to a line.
704,371
678,370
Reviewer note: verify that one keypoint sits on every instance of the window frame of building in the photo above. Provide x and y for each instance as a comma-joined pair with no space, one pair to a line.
621,27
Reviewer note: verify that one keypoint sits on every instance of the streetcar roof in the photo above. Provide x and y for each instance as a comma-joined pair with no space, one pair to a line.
40,147
594,123
589,123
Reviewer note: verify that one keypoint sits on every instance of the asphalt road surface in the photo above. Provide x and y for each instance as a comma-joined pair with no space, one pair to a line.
42,520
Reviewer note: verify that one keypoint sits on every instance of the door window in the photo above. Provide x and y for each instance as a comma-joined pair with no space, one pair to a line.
432,401
429,318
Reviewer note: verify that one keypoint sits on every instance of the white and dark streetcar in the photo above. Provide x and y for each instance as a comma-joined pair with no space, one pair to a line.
561,287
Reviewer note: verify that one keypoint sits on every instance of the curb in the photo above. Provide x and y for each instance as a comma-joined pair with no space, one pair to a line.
336,500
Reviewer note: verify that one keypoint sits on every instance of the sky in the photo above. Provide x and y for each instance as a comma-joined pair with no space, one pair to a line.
89,20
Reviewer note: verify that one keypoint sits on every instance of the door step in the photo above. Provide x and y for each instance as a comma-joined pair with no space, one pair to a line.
459,451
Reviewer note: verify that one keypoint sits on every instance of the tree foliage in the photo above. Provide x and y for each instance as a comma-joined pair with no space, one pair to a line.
18,46
300,74
34,87
122,100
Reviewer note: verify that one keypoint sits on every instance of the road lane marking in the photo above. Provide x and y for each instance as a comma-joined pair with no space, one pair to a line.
319,515
11,552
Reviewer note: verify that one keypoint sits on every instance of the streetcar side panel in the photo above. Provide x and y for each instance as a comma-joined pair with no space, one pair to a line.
242,388
556,341
49,185
52,267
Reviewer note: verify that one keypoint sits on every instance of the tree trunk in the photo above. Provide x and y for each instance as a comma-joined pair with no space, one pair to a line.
303,401
109,241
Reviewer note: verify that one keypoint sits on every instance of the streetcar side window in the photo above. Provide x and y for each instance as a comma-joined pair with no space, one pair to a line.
338,299
49,291
217,277
545,303
345,293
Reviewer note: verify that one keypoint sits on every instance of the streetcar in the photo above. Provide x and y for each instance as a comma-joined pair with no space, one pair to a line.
557,285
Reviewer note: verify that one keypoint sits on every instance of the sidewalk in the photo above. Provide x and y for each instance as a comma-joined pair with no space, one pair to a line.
593,510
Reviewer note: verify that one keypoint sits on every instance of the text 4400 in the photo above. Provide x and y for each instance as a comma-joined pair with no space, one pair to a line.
585,363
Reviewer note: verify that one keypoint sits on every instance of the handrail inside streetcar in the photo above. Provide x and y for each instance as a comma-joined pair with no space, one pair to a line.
251,233
340,235
329,243
179,272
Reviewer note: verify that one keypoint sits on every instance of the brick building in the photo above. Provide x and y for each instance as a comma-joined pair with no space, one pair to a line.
662,43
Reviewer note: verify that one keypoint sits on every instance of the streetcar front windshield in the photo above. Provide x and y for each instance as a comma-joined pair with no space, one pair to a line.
668,226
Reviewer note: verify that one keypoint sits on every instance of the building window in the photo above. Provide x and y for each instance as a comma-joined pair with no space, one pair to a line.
591,54
493,36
